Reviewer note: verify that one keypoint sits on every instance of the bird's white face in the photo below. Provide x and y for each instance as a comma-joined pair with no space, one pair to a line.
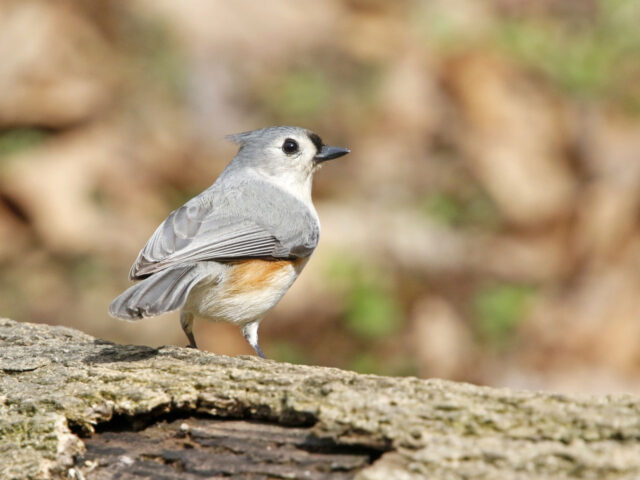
292,154
286,156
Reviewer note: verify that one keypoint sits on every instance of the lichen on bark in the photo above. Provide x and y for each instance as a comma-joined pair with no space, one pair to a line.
57,383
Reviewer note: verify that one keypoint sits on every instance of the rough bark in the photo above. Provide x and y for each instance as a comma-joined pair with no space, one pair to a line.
68,401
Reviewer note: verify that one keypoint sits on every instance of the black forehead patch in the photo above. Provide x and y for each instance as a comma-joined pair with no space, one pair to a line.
317,141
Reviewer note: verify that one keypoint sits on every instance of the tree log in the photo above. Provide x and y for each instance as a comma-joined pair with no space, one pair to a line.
72,406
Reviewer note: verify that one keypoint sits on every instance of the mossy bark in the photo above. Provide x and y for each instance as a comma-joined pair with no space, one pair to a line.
58,384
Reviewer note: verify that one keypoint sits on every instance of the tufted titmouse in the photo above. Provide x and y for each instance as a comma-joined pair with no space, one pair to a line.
231,253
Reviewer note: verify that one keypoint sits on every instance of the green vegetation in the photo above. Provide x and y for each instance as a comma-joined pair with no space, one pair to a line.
372,316
458,211
156,55
596,57
19,139
287,352
85,270
298,94
591,54
306,94
498,310
366,363
381,364
372,310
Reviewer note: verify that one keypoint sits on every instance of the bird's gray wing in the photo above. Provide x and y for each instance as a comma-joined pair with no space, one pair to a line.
164,292
252,220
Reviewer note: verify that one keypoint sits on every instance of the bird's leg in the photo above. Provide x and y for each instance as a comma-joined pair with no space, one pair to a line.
258,350
250,332
186,321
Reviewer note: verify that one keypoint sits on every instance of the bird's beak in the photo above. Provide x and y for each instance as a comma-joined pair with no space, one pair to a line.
329,153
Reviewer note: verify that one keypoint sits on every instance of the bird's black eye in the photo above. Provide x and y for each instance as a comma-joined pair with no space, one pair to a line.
290,146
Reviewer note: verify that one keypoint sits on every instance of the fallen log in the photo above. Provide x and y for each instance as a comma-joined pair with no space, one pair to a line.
73,406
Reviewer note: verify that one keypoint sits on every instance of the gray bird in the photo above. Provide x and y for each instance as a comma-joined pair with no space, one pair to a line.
230,253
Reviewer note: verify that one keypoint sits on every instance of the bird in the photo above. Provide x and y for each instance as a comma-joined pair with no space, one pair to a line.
231,252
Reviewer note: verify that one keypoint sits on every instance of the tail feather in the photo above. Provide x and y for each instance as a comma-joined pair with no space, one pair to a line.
161,292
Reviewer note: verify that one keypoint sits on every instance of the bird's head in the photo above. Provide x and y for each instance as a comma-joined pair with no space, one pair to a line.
291,154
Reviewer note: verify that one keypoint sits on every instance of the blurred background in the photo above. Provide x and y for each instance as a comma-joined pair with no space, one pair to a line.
484,228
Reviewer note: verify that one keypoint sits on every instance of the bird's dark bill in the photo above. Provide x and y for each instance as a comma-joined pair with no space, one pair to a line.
329,153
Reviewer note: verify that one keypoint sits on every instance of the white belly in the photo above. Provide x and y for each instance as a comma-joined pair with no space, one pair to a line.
243,292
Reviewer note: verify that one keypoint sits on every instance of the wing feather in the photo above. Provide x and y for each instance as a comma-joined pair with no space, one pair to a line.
252,221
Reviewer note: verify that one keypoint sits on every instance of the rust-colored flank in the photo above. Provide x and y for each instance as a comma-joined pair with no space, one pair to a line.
256,273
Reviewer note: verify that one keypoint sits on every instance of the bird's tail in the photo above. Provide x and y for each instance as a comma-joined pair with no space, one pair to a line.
161,292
